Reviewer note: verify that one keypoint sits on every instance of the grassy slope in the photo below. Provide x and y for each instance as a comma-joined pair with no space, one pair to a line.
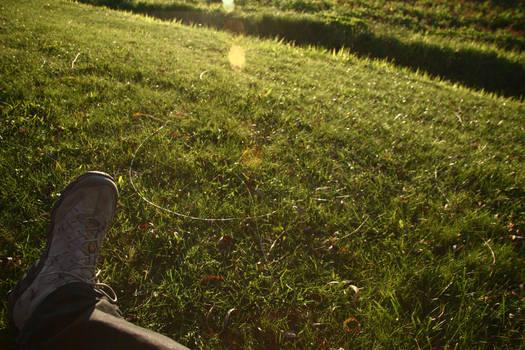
492,22
478,45
381,178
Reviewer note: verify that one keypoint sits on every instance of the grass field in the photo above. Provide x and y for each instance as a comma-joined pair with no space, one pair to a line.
501,23
477,45
369,203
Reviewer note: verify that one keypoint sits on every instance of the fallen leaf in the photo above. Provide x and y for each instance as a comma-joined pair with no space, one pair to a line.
146,225
357,326
138,114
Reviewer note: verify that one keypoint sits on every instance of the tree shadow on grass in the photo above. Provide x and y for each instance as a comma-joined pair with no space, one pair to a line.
471,67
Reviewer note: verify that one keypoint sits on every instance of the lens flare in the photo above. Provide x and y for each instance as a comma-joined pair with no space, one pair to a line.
237,58
228,5
252,157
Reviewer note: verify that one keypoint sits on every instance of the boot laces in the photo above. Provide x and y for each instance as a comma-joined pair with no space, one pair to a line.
82,269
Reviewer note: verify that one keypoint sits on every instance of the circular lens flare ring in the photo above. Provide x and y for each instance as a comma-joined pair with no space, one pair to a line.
186,216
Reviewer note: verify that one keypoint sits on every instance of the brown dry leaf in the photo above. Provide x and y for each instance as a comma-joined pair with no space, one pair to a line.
138,114
356,327
212,278
146,225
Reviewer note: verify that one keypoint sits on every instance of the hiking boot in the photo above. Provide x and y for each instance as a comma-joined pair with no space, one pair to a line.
79,221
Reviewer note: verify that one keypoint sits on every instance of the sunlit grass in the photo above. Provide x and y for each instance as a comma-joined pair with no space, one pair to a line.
396,200
423,36
493,22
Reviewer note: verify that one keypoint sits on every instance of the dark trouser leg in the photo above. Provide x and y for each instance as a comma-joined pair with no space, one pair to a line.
76,317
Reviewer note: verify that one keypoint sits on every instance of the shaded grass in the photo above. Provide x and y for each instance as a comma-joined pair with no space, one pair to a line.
382,178
491,70
496,22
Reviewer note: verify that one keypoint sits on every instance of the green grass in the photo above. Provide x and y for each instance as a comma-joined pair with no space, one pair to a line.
407,187
496,22
448,40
